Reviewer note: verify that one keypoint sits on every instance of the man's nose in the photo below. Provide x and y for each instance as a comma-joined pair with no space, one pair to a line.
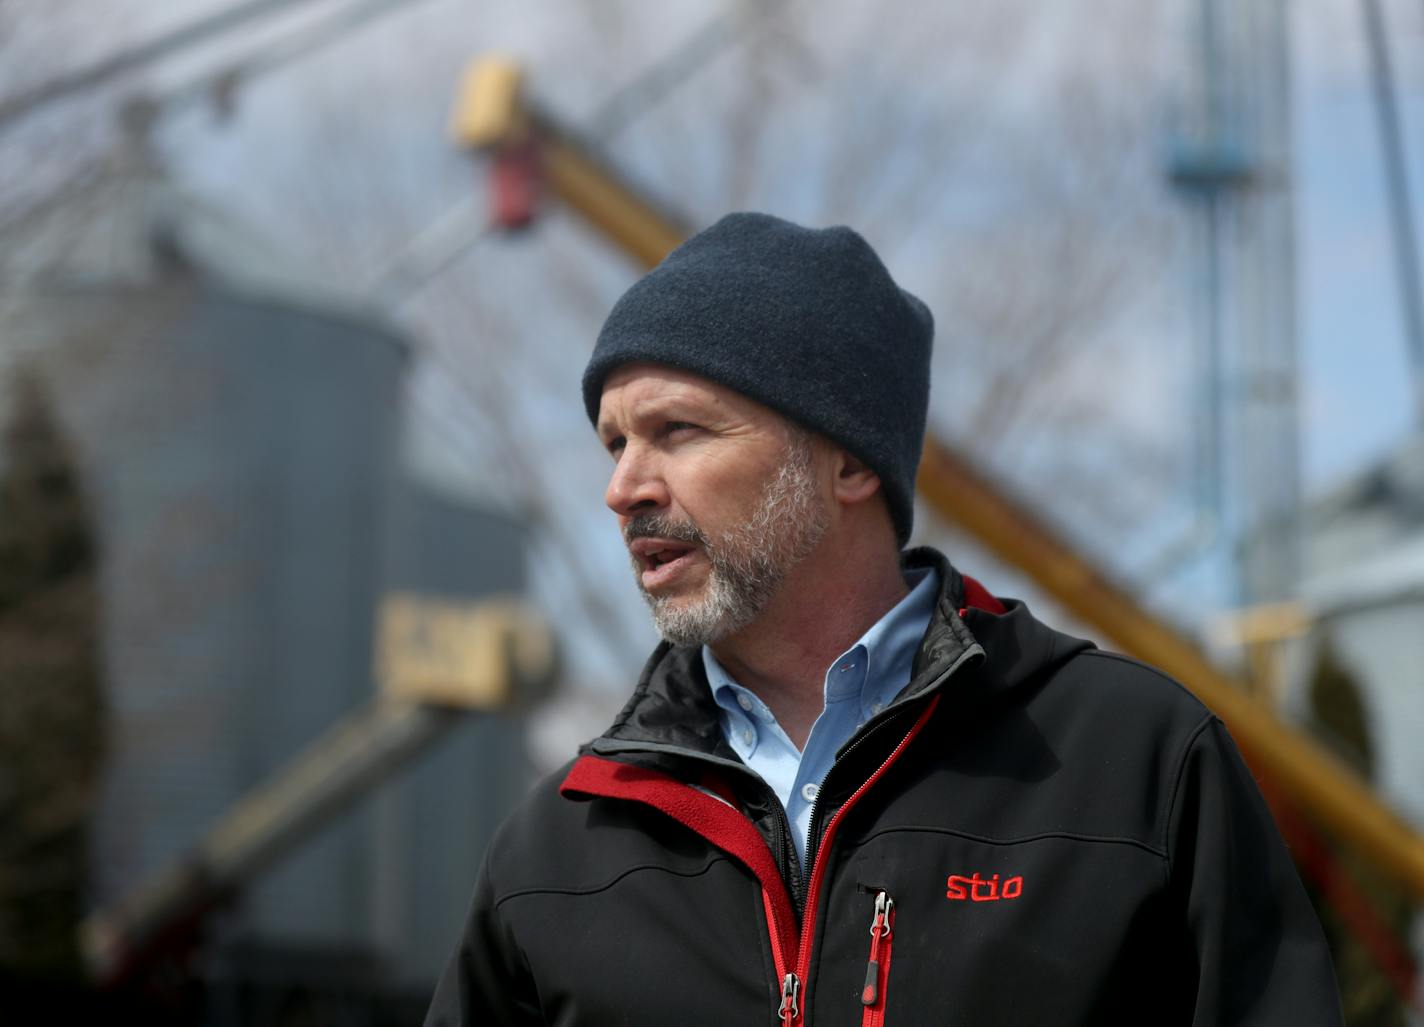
636,485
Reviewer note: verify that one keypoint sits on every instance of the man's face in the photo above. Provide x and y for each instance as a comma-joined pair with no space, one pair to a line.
717,497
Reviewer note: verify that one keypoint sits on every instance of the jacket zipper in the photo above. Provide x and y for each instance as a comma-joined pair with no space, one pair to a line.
877,969
813,836
793,1002
790,1009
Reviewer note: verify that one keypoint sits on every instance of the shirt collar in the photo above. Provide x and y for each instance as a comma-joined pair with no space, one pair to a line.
878,664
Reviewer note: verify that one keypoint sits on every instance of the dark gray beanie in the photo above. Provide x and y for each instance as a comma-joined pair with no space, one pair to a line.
806,321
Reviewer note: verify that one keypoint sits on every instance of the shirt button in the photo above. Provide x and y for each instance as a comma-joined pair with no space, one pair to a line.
748,737
744,702
810,791
877,707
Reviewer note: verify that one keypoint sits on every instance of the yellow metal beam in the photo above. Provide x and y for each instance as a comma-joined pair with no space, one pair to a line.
491,114
489,109
645,234
490,655
1309,774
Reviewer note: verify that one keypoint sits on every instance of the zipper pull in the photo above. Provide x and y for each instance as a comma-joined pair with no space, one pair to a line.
879,931
789,1010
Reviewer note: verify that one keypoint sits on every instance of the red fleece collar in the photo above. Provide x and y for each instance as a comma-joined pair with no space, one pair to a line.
977,597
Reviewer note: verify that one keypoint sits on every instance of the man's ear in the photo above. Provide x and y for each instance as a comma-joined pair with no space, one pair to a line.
854,482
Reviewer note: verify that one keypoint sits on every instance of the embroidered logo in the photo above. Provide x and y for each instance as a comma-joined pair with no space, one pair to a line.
982,889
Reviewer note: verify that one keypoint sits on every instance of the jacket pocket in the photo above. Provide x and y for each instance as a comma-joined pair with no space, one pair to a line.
877,968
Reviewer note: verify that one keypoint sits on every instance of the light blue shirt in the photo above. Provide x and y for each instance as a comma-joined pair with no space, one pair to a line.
859,684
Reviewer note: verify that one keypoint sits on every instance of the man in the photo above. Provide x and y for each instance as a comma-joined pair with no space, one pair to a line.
851,785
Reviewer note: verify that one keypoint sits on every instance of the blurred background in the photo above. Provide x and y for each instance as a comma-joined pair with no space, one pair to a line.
304,570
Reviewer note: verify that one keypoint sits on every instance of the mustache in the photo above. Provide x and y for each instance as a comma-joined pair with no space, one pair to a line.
659,526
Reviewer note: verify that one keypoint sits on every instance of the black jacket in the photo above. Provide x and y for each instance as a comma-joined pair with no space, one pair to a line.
1034,832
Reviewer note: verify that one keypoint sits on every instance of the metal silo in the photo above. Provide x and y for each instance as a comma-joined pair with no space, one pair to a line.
238,431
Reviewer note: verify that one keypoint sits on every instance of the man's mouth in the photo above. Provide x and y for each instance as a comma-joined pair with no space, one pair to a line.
661,561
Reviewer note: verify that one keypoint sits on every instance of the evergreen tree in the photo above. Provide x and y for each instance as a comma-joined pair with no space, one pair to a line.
1340,719
51,705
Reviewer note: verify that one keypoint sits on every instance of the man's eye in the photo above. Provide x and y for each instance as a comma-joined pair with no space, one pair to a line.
673,426
614,447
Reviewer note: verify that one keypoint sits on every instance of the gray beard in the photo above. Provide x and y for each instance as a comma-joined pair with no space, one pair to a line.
749,563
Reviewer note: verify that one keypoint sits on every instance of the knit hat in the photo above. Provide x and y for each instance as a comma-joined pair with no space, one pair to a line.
806,321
